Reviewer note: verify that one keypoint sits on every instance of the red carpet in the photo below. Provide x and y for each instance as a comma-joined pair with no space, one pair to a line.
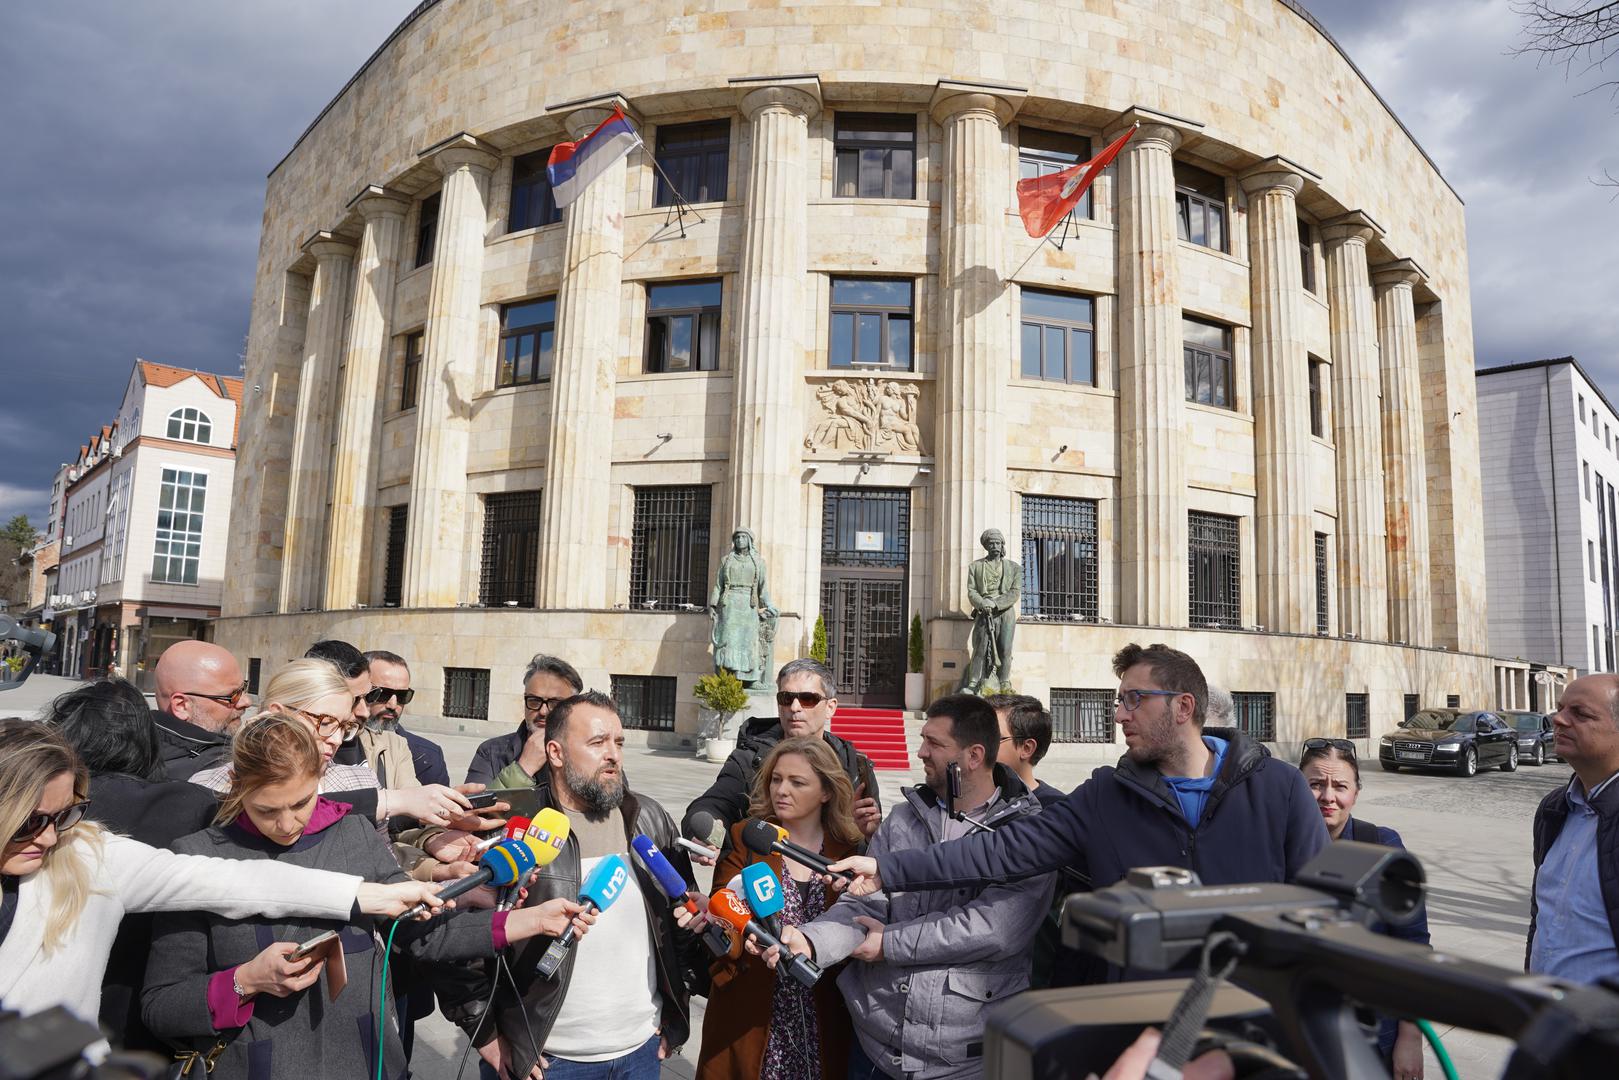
877,733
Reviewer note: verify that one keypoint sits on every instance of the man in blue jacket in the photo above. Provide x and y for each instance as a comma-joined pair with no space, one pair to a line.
1213,800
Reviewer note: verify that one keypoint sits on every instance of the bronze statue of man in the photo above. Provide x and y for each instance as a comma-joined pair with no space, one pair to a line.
994,584
744,618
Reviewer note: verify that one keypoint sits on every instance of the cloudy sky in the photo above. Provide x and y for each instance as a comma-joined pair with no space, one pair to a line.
139,136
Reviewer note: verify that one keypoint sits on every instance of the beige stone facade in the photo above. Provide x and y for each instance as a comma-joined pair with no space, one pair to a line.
1252,93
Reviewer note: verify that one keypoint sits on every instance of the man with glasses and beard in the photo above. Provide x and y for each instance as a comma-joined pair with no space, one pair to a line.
617,1006
201,696
1209,799
515,760
385,703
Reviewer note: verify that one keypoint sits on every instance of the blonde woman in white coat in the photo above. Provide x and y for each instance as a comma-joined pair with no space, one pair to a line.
65,883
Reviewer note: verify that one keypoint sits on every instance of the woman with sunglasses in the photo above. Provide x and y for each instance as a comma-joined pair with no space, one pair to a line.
65,883
1333,772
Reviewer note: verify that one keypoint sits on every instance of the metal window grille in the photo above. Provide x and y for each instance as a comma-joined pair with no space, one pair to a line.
177,551
1412,705
669,546
466,693
1215,569
426,230
1081,716
533,203
1357,717
1453,701
410,381
865,527
645,702
511,549
1059,557
254,666
876,156
393,573
1321,583
1255,715
694,158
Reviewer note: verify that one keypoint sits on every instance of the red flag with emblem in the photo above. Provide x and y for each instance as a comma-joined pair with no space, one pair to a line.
1042,201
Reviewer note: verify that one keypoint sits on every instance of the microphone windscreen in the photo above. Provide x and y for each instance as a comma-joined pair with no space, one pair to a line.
702,827
759,835
725,906
509,860
735,884
516,825
763,890
605,882
547,833
663,871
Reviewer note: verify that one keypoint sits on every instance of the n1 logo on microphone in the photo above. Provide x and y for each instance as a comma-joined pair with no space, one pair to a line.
764,890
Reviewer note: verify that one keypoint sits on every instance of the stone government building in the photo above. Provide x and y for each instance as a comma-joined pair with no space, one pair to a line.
1233,411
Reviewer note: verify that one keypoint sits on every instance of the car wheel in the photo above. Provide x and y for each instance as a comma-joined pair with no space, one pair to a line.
1389,766
1468,766
1511,763
1540,755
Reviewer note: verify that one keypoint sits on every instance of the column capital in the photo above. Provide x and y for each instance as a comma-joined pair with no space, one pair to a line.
1275,173
1398,272
461,150
374,201
800,94
582,116
951,99
1355,225
326,244
1156,127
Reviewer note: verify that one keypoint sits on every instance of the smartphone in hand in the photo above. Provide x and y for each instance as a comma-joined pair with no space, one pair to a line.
311,945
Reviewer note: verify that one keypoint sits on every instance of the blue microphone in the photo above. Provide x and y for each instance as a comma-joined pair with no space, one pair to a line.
763,890
602,886
675,888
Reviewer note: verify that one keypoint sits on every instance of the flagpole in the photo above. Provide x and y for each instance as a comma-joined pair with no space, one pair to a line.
681,206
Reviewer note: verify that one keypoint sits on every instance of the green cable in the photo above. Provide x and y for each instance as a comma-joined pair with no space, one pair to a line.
1438,1049
382,994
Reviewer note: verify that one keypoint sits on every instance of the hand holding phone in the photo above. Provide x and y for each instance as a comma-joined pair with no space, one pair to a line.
313,944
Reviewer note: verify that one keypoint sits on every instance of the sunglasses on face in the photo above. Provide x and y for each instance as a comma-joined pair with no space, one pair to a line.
380,694
534,703
1343,745
805,698
37,822
326,725
231,699
1130,700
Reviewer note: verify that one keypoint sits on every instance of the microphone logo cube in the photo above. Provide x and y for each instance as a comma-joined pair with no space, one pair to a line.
764,891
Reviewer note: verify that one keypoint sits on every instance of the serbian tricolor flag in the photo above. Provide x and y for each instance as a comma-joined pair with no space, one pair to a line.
573,165
1042,201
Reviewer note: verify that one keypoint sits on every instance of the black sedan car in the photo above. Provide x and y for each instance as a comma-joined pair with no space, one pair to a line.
1455,740
1536,742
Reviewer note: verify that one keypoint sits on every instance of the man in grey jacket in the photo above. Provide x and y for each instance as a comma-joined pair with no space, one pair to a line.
927,963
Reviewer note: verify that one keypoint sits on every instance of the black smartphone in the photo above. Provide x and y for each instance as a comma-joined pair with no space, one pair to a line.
483,800
952,787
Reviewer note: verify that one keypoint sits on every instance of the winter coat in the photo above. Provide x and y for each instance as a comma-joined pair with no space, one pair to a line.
1550,817
186,748
495,754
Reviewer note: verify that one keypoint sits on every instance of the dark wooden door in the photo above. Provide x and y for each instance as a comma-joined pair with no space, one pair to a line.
865,554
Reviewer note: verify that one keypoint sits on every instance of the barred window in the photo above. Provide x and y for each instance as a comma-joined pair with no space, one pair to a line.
871,323
1081,716
1453,701
533,203
393,572
1306,256
466,693
178,550
645,702
669,546
694,158
426,230
511,549
1200,207
1041,153
1059,557
1318,410
411,377
683,326
1206,351
876,156
1321,583
527,341
1357,717
1214,565
1255,715
190,425
1057,337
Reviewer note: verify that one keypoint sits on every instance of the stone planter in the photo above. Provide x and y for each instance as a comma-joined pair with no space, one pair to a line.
916,690
718,734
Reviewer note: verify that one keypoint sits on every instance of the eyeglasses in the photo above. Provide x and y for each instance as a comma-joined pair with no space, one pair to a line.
380,694
64,819
1130,700
326,725
534,703
231,699
1343,745
805,698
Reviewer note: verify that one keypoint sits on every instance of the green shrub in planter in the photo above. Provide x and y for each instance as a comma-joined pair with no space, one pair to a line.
722,692
818,647
916,643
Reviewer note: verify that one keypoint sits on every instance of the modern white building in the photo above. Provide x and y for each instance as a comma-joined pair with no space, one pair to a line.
1551,513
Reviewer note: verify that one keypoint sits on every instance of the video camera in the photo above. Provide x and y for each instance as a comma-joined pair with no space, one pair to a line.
56,1045
1304,957
35,643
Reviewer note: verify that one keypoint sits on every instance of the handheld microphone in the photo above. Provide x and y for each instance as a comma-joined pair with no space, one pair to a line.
702,826
675,888
763,891
733,911
547,834
601,887
503,864
763,838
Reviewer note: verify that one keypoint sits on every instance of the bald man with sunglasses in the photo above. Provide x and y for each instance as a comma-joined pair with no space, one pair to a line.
201,696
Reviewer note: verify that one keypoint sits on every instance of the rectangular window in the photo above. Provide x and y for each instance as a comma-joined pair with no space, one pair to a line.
1454,701
1321,583
466,693
178,551
411,378
1214,566
669,547
683,326
1357,717
1041,153
527,341
1058,337
1059,557
254,667
1585,475
1318,419
1306,256
1254,714
876,156
1200,207
511,549
426,230
532,203
1582,407
871,323
393,572
693,157
1081,716
1412,705
1206,349
645,702
1591,557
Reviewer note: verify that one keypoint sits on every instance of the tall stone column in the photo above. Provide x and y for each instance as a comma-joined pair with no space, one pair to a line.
1357,428
354,483
578,464
1152,386
435,528
767,421
1404,465
975,335
310,482
1284,527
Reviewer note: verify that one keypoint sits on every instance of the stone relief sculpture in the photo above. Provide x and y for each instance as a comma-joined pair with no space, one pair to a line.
744,632
994,586
866,414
